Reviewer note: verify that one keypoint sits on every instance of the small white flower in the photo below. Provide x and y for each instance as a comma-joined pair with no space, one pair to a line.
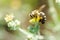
11,24
9,17
17,22
30,36
40,37
37,37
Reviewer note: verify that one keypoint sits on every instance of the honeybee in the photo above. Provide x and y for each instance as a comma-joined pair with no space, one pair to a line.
38,15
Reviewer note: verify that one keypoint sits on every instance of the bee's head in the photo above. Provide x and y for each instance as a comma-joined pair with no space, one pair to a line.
34,13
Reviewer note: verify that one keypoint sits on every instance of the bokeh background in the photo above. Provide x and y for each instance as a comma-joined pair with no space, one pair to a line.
21,9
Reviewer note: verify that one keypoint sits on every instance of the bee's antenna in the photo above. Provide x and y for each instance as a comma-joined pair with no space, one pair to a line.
41,8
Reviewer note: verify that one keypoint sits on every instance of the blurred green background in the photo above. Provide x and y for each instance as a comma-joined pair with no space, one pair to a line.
21,9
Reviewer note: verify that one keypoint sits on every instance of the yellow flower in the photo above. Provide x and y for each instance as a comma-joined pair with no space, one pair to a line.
17,22
9,18
38,18
34,20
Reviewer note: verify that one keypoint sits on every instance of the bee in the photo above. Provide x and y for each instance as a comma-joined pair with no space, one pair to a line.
38,15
